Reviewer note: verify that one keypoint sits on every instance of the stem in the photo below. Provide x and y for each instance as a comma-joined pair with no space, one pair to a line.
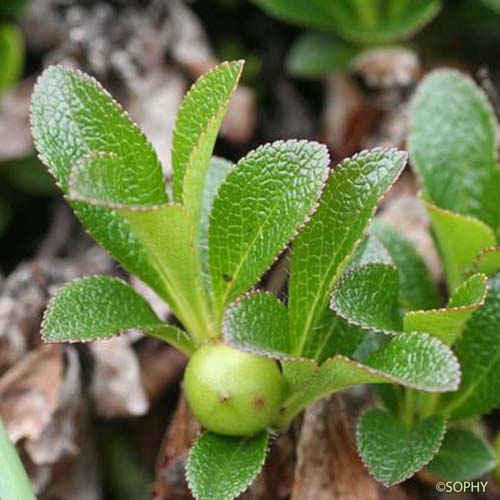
395,9
366,11
195,319
428,404
409,407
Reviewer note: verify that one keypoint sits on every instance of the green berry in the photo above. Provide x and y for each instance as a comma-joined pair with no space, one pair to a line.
232,392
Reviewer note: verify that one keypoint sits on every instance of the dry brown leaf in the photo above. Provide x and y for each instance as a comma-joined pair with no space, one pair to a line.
276,479
59,438
239,124
387,74
78,478
188,43
190,48
391,131
170,481
328,466
26,292
30,392
347,118
116,385
14,122
161,366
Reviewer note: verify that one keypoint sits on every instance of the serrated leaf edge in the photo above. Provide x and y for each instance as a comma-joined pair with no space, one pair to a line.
477,434
482,253
261,465
484,100
54,297
315,206
259,352
358,437
124,206
432,206
119,332
202,295
95,83
399,381
213,118
454,361
372,371
74,195
470,307
348,319
341,267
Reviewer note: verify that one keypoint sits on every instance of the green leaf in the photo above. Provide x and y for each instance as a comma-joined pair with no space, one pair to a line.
258,322
478,351
493,4
414,360
417,361
73,117
164,231
488,261
222,467
259,208
104,179
196,127
417,290
323,249
447,324
459,238
370,251
318,14
93,308
470,292
392,397
453,146
333,335
393,452
462,456
100,307
367,297
11,55
113,232
318,54
14,482
366,21
217,172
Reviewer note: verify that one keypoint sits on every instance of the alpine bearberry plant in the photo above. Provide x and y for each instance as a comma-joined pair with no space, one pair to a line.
454,151
203,241
340,30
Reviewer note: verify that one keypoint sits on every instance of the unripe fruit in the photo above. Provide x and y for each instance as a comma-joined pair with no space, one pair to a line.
232,392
